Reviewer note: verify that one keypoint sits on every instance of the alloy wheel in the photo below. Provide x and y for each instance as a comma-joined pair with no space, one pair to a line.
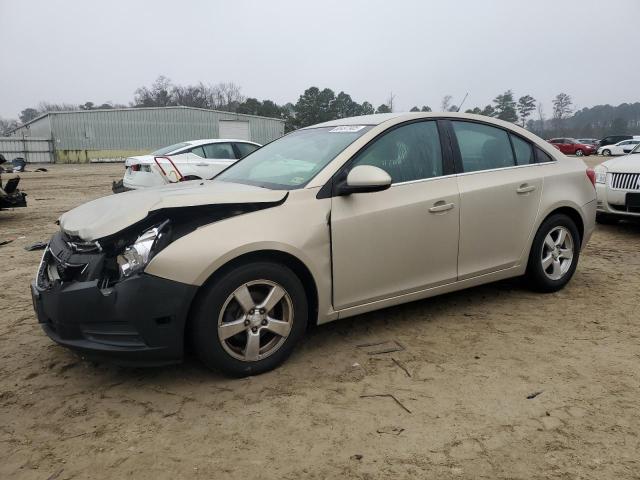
255,320
578,153
557,253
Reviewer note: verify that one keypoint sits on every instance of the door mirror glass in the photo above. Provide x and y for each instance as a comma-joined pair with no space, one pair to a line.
365,178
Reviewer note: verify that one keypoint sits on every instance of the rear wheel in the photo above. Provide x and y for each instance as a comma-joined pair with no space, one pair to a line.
579,153
554,254
249,320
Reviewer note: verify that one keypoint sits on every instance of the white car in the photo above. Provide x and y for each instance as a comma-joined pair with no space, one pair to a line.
620,148
192,160
618,188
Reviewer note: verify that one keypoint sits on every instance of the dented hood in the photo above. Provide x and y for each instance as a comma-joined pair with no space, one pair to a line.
108,215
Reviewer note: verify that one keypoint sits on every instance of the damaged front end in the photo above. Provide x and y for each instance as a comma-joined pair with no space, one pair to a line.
10,196
94,296
91,299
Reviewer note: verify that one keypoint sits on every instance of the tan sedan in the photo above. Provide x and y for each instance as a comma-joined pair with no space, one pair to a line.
325,223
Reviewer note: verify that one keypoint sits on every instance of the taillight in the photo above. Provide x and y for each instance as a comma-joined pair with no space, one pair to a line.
592,176
135,167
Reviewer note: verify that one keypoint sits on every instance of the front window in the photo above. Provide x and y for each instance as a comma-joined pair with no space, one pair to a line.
636,149
170,149
293,160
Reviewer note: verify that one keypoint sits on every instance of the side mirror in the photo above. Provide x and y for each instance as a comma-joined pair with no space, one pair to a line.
364,179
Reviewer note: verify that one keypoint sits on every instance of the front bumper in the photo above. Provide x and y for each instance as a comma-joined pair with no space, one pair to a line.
613,201
139,321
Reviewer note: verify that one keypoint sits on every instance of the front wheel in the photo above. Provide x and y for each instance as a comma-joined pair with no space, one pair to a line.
249,320
606,152
554,254
579,153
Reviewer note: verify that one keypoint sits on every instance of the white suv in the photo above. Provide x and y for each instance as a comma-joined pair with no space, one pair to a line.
618,188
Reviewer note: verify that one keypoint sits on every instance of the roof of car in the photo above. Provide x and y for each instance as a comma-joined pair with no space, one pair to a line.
204,141
378,118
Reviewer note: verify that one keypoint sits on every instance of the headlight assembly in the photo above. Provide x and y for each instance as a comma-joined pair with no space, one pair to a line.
136,256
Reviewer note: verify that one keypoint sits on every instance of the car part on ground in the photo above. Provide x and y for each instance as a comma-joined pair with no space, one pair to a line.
328,222
10,195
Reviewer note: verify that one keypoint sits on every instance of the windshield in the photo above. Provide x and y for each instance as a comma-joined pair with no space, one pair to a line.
636,149
170,148
291,161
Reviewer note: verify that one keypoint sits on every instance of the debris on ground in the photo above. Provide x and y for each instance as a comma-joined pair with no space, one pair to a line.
36,246
6,242
41,169
390,430
377,348
533,395
389,395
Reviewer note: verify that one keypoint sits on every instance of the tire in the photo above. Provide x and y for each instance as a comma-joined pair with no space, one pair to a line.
579,152
606,152
557,273
219,309
605,219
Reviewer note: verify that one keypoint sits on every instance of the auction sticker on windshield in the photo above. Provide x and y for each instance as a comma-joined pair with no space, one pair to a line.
347,129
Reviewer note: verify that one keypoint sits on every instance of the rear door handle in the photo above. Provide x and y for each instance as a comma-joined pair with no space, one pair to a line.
524,188
440,207
201,164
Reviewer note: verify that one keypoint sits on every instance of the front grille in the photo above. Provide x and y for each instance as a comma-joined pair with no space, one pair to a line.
625,181
53,269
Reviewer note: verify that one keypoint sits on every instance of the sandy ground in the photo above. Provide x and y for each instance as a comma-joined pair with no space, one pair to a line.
465,365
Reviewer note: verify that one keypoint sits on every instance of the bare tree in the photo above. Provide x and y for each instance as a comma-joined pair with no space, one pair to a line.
446,103
541,116
226,96
159,95
7,124
390,101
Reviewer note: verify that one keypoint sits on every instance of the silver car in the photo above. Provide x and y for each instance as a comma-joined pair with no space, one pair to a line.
328,222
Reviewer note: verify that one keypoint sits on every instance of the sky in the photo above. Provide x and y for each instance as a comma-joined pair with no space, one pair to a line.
74,51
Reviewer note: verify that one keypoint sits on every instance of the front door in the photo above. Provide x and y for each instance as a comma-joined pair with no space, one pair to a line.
403,239
500,190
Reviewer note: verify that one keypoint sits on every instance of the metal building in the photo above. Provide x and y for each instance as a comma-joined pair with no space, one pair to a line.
108,135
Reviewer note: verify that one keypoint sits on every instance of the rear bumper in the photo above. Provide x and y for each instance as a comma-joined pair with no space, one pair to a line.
140,321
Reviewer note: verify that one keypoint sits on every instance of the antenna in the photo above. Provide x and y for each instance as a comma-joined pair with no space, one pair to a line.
461,103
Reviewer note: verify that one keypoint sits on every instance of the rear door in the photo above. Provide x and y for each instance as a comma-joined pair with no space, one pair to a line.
217,157
500,189
405,238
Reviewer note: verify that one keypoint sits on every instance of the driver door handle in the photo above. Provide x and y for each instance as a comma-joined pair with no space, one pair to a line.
525,188
441,206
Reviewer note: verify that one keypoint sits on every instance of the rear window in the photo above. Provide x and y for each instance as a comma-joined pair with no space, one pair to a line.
542,157
170,149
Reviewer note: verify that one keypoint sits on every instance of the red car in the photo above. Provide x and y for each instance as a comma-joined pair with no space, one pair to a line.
570,146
